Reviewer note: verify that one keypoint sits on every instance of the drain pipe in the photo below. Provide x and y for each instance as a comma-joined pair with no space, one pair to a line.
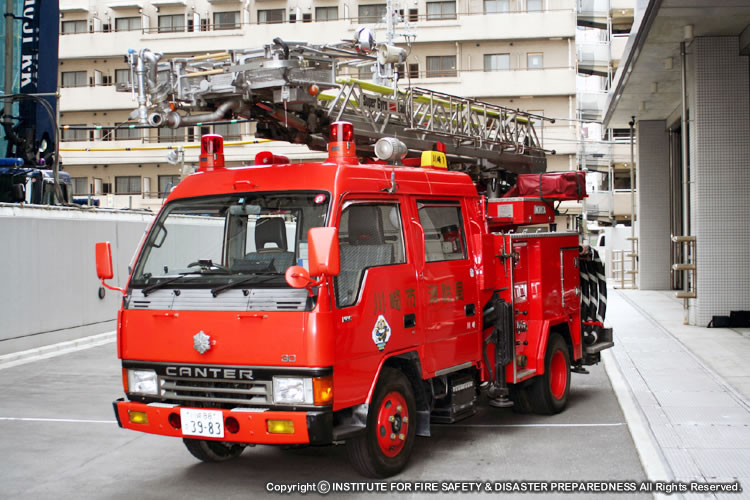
685,180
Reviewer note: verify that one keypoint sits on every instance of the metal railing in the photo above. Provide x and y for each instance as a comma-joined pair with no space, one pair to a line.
689,266
624,277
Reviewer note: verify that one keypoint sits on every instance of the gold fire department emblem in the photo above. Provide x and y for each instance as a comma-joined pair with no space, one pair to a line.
201,342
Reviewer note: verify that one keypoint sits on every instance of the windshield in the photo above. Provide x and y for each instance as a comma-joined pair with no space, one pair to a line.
245,239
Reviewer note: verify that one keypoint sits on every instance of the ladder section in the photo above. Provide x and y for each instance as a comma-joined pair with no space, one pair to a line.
471,129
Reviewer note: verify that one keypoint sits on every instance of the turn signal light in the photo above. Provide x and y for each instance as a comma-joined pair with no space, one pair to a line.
280,426
231,425
138,417
323,390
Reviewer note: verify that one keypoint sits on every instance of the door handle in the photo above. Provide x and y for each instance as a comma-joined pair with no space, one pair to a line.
470,310
410,320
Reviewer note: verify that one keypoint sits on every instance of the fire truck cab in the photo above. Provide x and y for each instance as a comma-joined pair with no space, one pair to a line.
318,303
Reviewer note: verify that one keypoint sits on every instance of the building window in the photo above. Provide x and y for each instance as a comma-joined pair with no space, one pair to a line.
69,27
495,6
73,79
622,179
443,232
271,16
438,66
229,131
497,62
441,10
534,5
226,20
128,185
412,16
74,134
127,134
371,14
122,76
171,134
414,70
166,183
326,13
306,18
80,185
534,60
171,23
128,23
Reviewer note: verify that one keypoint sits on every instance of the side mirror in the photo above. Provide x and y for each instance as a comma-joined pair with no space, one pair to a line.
104,264
323,251
104,260
19,193
418,246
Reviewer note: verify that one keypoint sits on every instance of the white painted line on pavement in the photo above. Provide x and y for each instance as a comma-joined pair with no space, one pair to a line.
645,443
54,350
66,420
615,424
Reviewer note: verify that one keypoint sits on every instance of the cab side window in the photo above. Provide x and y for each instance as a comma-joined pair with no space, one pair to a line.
370,235
443,231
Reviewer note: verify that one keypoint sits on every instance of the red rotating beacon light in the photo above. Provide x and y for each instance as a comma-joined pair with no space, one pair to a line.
342,147
212,152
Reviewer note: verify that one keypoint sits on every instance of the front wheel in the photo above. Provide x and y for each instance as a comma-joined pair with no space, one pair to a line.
549,393
212,451
384,448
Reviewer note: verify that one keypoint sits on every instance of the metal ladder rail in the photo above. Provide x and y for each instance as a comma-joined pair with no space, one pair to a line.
689,265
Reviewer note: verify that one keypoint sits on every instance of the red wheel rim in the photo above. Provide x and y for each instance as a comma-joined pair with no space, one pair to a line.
558,375
392,424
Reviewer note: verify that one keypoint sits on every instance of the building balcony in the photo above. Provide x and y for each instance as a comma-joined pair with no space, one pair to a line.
593,58
483,84
618,48
593,13
591,105
467,26
94,99
608,205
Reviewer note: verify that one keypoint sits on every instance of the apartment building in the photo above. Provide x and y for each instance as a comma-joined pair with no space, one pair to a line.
517,53
603,30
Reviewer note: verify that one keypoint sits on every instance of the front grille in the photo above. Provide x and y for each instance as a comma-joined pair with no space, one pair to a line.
215,393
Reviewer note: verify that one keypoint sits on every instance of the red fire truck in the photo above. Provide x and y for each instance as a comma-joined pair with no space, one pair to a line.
317,303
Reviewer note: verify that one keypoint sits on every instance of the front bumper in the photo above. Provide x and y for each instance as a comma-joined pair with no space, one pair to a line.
310,427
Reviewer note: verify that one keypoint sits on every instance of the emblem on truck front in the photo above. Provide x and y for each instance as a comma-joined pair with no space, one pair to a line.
381,333
201,342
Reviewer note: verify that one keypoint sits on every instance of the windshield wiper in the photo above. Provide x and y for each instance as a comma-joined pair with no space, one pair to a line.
164,283
270,275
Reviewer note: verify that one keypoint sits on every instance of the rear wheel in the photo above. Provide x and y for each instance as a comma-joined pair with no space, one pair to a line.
212,451
548,394
384,448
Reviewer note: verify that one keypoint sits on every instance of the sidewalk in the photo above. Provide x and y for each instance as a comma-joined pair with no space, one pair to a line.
690,387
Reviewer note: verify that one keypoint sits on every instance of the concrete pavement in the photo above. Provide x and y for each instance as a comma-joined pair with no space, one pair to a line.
690,387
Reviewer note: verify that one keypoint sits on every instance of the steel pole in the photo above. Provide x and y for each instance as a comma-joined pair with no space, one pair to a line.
632,200
684,140
9,66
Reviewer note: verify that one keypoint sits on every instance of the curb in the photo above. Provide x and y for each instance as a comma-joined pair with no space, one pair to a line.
54,350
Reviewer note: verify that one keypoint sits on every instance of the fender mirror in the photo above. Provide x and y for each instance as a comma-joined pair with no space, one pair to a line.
323,251
298,277
104,264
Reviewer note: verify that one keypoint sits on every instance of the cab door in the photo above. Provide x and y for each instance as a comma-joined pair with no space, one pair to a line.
448,297
375,293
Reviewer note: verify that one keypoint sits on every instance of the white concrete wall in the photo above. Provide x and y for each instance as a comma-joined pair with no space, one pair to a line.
653,205
49,289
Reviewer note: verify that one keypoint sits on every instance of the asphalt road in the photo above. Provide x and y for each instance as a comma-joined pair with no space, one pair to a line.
59,440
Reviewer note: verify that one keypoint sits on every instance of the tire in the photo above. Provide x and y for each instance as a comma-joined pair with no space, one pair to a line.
548,394
212,451
386,445
520,396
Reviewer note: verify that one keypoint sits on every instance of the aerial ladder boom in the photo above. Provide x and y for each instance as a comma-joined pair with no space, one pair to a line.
294,90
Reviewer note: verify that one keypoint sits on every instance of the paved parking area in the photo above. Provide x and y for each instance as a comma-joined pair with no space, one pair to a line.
60,440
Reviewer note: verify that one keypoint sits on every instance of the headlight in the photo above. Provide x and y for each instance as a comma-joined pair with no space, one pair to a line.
297,390
142,382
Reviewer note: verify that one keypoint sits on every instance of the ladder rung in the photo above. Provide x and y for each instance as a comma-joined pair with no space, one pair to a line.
683,239
686,295
684,267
